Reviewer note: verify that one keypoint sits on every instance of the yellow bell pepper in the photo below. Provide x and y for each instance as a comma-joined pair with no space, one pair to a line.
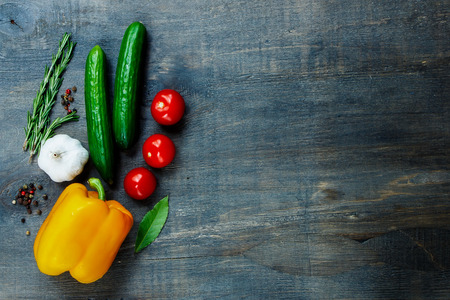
82,233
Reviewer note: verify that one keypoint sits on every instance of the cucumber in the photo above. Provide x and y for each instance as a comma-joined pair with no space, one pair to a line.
126,85
101,144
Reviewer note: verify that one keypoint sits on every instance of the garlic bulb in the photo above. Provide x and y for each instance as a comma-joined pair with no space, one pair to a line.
62,158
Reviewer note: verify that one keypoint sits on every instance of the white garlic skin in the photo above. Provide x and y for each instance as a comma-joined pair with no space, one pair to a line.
62,158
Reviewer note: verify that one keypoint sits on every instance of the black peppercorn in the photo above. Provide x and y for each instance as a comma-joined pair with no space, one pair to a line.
40,187
35,203
45,197
74,88
39,212
29,211
22,220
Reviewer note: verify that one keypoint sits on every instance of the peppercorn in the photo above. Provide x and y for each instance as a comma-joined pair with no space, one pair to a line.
20,201
74,88
40,187
22,220
68,91
66,107
14,201
45,197
39,212
70,98
23,193
35,203
69,111
25,187
29,211
27,232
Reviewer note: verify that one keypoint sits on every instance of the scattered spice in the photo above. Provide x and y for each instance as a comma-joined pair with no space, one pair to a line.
25,197
67,98
27,233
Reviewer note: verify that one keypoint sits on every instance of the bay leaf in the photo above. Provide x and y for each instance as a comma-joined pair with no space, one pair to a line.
152,224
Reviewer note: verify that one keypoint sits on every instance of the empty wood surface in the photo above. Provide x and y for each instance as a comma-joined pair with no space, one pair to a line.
312,162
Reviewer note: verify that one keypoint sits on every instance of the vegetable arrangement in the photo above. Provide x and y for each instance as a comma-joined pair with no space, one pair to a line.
83,232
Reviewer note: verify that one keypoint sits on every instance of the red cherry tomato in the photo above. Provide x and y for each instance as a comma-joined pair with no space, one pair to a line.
139,183
167,107
158,151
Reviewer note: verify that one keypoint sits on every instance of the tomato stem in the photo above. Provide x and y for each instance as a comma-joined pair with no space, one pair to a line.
96,184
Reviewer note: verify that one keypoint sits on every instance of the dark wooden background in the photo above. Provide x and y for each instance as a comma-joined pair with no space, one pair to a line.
313,160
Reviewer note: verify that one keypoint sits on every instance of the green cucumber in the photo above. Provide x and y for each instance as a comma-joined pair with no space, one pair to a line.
101,144
126,85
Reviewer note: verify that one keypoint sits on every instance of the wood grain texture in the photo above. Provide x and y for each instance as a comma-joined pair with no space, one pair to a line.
312,162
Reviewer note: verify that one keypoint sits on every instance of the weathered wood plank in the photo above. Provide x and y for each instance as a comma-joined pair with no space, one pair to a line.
313,159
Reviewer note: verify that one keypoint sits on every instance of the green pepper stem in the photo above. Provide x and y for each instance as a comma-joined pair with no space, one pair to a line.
96,184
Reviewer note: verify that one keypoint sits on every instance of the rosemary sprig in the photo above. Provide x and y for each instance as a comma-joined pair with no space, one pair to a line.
38,100
38,128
